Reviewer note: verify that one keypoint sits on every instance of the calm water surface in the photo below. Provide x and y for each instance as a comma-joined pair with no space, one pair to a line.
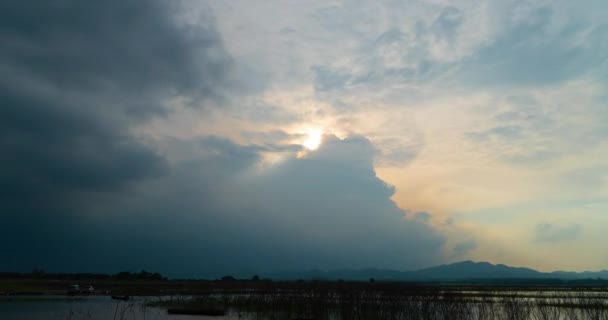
85,308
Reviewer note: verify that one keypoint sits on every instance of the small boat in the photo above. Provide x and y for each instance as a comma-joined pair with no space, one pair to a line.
122,298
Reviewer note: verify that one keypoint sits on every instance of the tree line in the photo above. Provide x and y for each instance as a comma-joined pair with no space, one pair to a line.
124,275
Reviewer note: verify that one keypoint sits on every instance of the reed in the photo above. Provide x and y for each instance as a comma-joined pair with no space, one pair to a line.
388,301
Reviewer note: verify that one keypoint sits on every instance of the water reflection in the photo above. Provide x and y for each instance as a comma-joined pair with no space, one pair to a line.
84,308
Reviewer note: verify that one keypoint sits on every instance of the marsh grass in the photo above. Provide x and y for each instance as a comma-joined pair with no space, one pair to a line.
362,301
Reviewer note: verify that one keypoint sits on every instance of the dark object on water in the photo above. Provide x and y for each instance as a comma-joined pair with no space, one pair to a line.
198,312
77,290
123,298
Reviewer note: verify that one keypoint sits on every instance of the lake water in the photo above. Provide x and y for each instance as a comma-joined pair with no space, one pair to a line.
104,308
85,308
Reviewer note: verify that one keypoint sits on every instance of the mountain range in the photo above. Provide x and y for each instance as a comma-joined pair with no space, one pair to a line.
465,270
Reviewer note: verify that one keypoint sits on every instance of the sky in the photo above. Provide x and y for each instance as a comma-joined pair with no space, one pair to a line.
204,138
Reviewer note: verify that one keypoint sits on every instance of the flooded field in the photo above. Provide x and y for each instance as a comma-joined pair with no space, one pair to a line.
324,301
433,304
84,308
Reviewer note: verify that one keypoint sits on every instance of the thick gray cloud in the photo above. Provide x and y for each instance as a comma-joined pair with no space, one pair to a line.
226,215
216,213
80,192
76,78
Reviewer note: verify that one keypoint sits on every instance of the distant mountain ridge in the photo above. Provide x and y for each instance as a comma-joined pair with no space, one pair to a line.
464,270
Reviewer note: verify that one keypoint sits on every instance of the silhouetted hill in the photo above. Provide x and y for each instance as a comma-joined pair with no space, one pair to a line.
475,270
465,270
603,274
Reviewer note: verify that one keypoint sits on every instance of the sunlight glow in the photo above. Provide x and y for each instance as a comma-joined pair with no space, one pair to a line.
313,141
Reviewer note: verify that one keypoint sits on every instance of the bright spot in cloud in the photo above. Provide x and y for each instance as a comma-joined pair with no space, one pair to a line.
313,141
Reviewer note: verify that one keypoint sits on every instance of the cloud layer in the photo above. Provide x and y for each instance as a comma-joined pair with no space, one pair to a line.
77,78
84,190
169,135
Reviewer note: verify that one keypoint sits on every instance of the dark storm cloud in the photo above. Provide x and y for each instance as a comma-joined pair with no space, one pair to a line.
216,212
219,209
76,77
80,192
110,45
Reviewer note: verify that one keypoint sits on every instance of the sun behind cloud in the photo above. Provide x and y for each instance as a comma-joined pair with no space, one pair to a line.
313,139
